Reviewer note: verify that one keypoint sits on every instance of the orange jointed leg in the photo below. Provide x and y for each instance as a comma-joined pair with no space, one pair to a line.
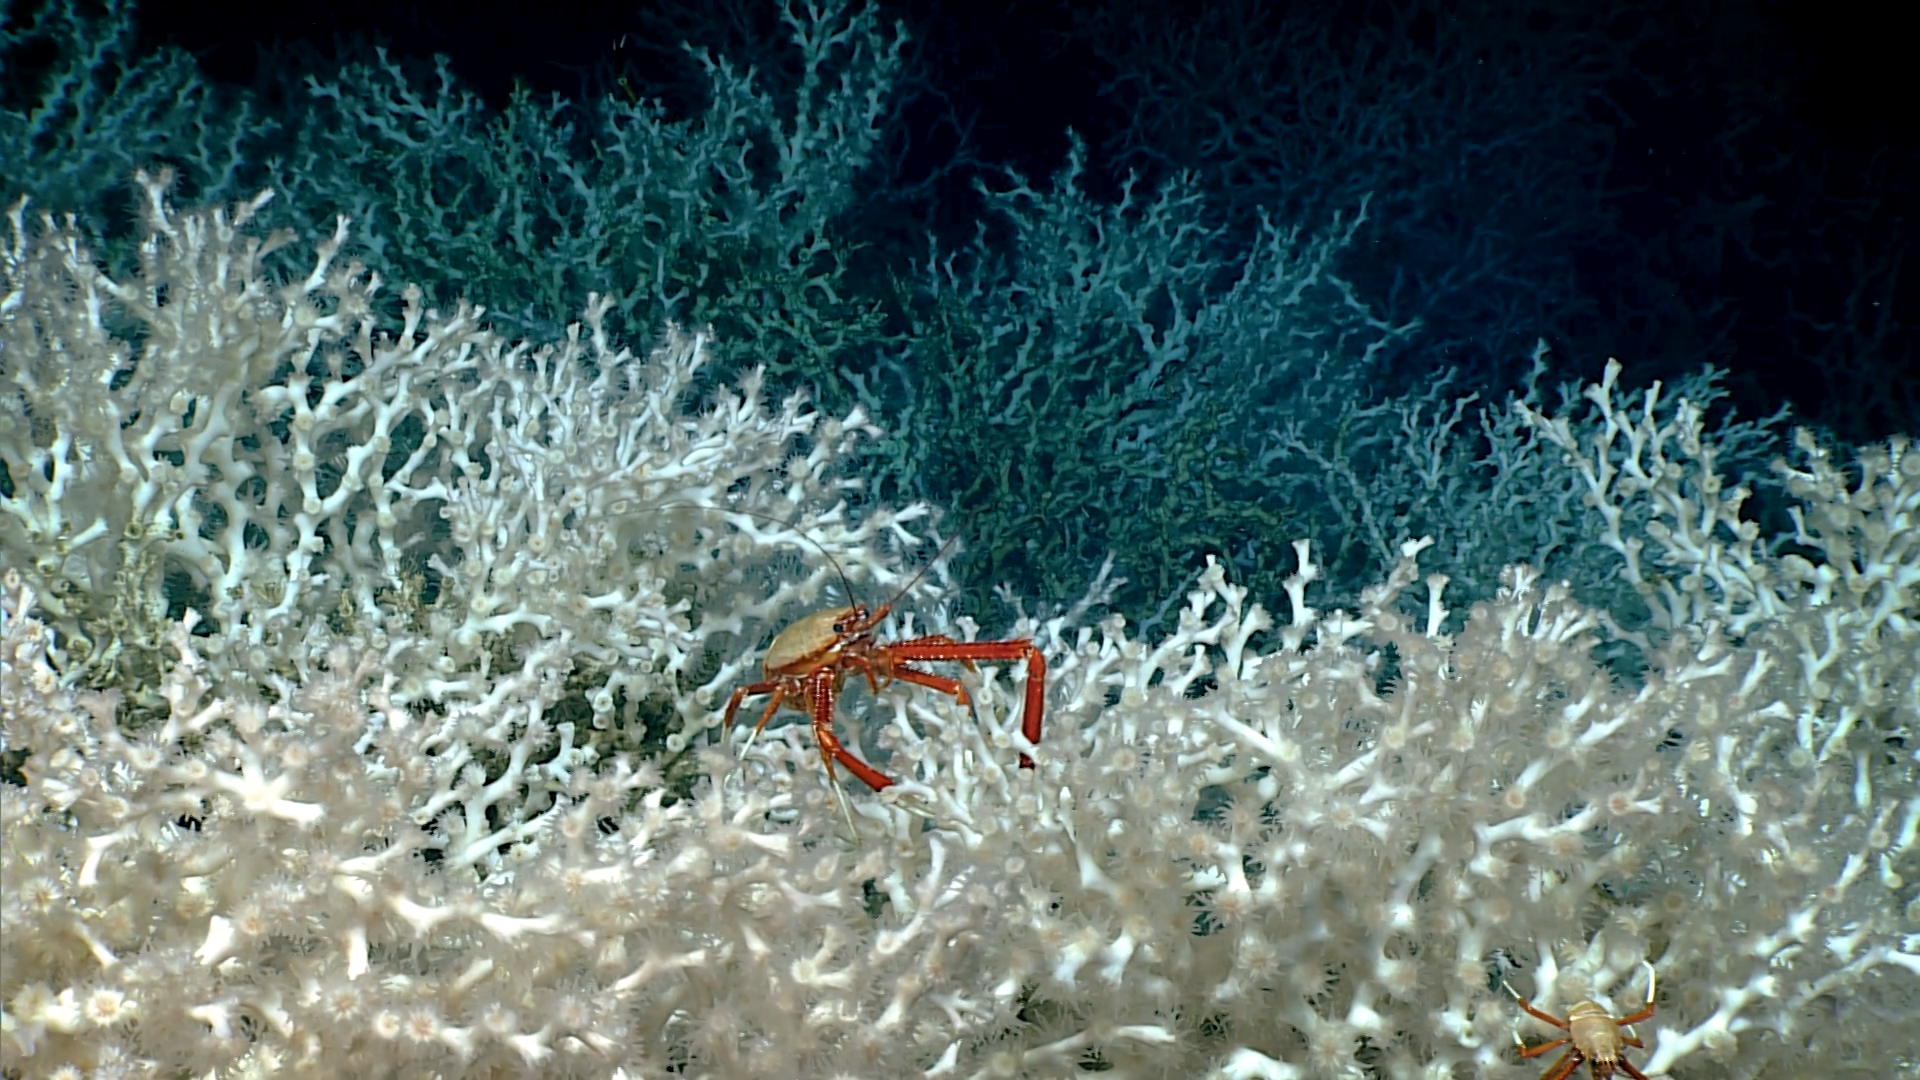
939,647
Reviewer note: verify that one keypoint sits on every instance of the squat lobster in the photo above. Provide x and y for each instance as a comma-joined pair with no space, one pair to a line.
810,661
1595,1035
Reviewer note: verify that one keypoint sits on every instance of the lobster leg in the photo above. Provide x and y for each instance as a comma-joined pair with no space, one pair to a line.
941,647
778,691
1536,1051
821,690
1636,1017
1564,1067
950,687
1538,1015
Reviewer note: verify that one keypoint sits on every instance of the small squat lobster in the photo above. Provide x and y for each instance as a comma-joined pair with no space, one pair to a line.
1595,1035
810,661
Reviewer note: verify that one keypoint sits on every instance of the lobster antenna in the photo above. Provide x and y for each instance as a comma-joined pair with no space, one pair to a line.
840,572
846,585
945,546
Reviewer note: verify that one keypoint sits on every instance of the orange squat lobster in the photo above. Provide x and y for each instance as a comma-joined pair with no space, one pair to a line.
1596,1037
810,660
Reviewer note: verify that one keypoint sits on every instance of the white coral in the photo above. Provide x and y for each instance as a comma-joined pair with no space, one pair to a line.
349,823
